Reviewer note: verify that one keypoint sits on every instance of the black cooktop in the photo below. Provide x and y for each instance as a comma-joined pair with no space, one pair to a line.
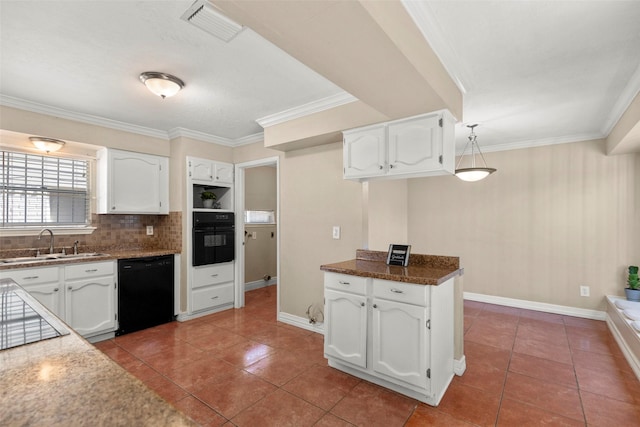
22,319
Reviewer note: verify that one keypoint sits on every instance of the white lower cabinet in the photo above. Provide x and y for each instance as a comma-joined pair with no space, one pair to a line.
83,295
394,334
90,298
346,343
212,287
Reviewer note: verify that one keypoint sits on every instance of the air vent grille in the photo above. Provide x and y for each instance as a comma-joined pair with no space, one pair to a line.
204,16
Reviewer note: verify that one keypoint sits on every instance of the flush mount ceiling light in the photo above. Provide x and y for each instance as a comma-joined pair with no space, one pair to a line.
473,173
49,145
162,84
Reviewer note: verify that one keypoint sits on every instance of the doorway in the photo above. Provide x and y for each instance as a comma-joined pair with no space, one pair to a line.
261,233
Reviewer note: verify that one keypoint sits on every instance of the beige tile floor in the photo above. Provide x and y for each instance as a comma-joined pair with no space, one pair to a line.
242,367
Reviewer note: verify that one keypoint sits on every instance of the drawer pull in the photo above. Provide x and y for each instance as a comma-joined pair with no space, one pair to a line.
93,270
214,275
30,277
342,282
216,297
397,291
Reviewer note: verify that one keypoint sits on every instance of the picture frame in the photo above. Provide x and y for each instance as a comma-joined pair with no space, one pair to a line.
398,255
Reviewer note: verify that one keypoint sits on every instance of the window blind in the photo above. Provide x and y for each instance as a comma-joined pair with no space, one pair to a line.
42,190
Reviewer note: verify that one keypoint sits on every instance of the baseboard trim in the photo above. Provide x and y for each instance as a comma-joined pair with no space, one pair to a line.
460,365
537,306
301,322
257,284
183,317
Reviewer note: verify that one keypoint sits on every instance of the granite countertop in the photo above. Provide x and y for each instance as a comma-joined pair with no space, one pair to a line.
422,269
65,381
106,254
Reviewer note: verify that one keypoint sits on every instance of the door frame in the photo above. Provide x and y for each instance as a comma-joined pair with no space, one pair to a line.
240,239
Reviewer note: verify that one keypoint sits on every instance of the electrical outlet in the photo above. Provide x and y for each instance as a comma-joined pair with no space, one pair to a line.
149,230
336,232
254,235
584,291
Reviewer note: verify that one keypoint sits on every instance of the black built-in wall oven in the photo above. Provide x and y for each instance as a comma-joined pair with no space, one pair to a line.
213,237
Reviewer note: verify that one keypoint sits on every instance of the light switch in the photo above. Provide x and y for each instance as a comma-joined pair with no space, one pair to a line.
149,230
336,232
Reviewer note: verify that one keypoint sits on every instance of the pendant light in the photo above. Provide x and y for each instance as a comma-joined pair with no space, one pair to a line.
473,173
49,145
162,84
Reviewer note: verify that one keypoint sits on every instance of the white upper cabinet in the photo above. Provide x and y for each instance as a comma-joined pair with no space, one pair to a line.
365,153
419,146
133,183
206,171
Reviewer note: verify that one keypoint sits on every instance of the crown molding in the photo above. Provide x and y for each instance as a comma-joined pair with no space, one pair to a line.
48,110
625,99
200,136
424,18
533,143
249,139
307,109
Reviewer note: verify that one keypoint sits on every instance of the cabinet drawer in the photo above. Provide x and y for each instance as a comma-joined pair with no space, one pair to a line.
89,269
401,292
32,275
346,283
211,296
212,274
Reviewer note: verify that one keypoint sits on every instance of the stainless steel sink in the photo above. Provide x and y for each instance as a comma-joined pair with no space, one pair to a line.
51,257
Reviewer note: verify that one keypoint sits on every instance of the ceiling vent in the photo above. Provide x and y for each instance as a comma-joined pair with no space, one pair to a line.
204,16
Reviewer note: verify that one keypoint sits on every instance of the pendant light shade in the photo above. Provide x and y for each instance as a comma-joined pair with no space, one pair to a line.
473,173
49,145
162,84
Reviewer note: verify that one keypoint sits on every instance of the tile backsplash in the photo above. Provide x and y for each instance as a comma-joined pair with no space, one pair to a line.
112,231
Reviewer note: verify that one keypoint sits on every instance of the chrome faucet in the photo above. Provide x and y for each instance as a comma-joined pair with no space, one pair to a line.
50,240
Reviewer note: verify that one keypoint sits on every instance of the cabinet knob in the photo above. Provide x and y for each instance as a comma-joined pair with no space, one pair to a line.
55,289
375,305
362,304
113,207
70,288
380,167
391,166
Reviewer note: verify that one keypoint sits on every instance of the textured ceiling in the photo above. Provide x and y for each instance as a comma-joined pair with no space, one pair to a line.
86,56
537,72
532,72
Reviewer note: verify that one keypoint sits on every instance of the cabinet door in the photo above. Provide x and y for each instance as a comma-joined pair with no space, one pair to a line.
201,170
346,334
364,153
415,145
90,305
223,173
400,341
135,182
49,295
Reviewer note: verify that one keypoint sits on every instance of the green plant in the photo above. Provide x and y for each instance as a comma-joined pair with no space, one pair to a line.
633,281
206,195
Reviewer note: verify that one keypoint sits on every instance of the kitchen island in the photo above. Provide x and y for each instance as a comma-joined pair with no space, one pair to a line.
65,381
395,326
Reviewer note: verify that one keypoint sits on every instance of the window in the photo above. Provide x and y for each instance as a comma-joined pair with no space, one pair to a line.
42,190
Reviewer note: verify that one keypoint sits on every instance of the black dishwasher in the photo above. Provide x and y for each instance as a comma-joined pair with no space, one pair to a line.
145,293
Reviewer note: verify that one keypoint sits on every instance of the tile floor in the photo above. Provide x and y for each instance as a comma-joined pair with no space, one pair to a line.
242,367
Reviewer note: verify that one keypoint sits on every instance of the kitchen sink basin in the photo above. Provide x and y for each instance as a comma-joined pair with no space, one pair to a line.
51,257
